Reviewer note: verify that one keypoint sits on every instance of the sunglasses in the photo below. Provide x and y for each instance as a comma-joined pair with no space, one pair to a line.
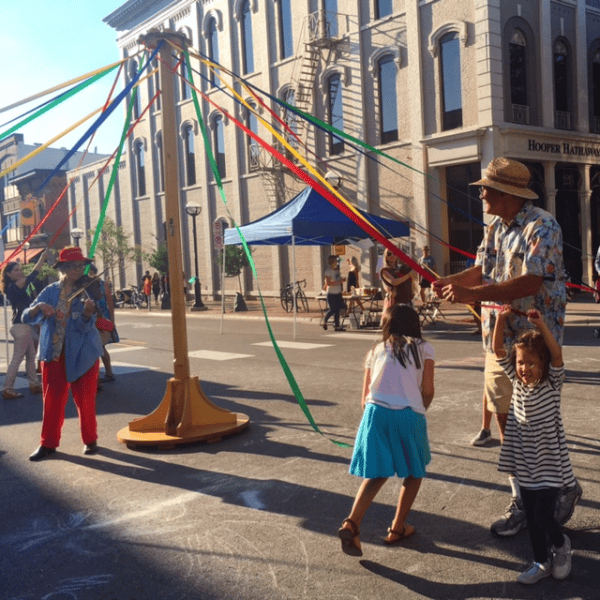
71,266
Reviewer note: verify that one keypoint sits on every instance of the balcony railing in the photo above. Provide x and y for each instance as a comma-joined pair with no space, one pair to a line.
520,114
562,119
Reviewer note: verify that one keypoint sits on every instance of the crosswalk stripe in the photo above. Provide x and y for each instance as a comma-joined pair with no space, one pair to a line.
295,345
214,355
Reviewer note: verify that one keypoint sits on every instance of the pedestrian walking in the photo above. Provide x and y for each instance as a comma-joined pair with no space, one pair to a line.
535,446
392,439
156,287
335,300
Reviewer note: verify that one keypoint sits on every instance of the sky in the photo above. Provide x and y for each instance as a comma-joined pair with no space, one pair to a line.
47,42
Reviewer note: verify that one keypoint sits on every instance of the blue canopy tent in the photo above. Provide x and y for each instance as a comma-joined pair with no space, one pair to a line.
310,220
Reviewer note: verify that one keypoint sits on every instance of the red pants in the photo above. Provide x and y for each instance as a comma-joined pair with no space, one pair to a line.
56,393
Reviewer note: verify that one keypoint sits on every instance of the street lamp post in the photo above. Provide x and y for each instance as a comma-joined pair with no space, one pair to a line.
76,234
194,210
26,247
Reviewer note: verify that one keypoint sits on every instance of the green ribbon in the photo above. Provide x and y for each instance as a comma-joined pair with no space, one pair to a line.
284,365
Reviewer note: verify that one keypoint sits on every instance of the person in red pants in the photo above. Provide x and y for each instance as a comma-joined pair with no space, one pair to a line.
69,350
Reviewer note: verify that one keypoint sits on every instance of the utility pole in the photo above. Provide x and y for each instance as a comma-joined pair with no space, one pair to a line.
185,413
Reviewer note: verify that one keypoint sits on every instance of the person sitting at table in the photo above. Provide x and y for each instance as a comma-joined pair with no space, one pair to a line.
397,282
353,285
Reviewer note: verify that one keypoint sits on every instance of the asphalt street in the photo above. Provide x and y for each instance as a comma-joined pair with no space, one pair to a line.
255,515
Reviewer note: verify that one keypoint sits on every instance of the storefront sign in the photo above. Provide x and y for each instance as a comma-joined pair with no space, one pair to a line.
563,148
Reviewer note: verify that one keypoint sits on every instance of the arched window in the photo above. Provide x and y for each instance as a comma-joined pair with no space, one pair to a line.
219,145
388,101
595,88
161,162
140,167
383,8
451,81
518,77
336,112
213,48
189,151
286,40
186,90
246,32
137,103
561,86
253,145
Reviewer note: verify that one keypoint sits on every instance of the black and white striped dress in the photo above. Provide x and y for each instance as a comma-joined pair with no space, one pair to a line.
535,447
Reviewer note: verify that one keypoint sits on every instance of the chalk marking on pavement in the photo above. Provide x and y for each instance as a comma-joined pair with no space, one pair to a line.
113,350
371,337
214,355
294,345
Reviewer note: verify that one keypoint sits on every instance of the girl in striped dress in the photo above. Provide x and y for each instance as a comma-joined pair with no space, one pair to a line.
535,447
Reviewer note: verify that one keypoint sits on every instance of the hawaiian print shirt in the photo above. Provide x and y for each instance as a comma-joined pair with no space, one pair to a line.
530,245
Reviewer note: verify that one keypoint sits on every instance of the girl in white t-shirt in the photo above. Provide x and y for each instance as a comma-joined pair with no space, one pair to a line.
392,437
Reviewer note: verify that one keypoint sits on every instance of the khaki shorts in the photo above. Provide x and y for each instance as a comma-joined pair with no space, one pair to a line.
497,386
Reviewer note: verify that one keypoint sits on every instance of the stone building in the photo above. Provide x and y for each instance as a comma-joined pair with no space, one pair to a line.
442,86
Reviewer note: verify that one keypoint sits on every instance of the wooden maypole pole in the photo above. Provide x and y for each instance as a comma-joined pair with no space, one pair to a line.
185,413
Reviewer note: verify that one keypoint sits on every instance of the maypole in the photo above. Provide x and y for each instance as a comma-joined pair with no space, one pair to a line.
185,413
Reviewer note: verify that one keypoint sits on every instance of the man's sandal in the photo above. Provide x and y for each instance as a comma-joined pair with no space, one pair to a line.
349,534
393,536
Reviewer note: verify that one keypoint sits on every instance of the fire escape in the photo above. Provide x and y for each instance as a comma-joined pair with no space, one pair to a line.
320,33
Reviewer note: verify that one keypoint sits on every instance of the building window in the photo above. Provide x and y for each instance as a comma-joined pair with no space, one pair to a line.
213,48
253,145
451,81
388,102
561,86
156,79
161,163
330,12
383,8
336,112
186,90
246,29
219,145
518,77
190,155
137,102
140,167
290,117
286,40
595,89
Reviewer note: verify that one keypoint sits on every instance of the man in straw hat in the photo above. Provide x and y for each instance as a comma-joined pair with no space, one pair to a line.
519,262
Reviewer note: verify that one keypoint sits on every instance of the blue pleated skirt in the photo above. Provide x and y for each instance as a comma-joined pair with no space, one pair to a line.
390,442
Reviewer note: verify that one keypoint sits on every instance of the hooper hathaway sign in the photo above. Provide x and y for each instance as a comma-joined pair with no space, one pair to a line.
563,148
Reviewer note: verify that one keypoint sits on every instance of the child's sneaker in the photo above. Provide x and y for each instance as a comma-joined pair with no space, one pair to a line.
513,520
535,572
482,438
561,562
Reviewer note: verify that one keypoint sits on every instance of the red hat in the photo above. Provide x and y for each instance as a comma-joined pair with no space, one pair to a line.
71,254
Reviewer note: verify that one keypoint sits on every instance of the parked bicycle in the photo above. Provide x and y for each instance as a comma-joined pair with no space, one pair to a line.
133,297
287,296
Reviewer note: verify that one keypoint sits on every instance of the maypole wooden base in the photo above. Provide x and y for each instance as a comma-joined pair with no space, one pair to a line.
184,416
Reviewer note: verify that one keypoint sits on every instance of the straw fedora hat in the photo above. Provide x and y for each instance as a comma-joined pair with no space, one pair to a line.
508,176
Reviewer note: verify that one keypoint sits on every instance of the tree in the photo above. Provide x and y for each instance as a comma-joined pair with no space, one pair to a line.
113,247
159,259
235,261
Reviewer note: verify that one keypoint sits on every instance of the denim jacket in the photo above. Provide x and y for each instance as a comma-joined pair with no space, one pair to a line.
82,346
